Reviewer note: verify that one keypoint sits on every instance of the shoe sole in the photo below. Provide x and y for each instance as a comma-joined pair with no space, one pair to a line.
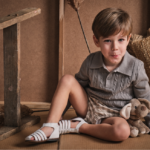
48,140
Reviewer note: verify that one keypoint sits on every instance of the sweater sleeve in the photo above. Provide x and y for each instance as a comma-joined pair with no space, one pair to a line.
83,76
141,88
141,84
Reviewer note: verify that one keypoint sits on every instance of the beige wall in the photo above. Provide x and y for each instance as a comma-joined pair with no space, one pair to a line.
39,49
40,40
75,50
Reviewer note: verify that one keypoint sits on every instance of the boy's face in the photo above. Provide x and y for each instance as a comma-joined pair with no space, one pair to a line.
113,48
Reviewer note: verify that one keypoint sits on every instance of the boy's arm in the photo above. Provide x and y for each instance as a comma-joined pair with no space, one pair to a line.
83,76
141,88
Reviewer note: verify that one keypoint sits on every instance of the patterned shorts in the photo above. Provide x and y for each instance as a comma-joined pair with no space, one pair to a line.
98,111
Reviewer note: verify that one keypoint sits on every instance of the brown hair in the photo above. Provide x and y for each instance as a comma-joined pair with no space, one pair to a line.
111,21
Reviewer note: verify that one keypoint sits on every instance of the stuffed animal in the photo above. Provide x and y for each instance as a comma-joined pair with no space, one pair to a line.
139,47
135,112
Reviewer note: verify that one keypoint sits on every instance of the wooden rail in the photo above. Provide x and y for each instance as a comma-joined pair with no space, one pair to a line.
11,47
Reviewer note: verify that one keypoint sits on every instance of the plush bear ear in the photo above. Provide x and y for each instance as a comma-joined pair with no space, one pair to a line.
125,111
145,101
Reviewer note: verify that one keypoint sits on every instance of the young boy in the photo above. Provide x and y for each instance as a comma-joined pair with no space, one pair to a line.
108,79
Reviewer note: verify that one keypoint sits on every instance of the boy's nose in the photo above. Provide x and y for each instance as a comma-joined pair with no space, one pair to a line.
114,46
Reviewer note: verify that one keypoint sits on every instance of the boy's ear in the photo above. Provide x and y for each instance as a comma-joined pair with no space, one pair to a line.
96,41
128,38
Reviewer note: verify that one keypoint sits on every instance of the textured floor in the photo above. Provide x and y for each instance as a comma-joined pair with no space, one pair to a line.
71,141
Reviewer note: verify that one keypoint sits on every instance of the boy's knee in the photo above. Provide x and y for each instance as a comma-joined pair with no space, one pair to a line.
121,132
67,80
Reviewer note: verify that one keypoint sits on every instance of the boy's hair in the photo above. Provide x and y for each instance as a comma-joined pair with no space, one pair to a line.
111,21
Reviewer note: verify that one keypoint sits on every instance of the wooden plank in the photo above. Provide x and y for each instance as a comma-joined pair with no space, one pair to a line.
33,105
37,105
11,39
18,17
5,131
61,57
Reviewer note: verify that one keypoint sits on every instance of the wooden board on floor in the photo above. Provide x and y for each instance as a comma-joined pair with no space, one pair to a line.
33,105
5,131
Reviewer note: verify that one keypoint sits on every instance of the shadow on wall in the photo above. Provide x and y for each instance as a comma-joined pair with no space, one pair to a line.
145,17
52,46
148,14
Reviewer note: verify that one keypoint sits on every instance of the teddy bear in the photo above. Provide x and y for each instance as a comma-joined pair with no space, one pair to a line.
134,112
139,47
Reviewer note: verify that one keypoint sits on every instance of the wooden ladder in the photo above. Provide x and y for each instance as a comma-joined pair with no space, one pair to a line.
11,49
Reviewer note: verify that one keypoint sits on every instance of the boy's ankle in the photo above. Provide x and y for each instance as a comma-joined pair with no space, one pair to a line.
74,124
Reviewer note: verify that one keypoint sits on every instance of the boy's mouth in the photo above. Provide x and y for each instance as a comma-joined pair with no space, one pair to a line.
115,56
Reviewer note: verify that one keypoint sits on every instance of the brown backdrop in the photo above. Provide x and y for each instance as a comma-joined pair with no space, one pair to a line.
75,49
39,49
40,40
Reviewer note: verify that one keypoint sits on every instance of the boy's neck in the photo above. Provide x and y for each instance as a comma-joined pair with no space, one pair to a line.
110,68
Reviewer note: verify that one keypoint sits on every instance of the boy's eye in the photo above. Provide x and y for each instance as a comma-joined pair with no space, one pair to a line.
107,41
121,40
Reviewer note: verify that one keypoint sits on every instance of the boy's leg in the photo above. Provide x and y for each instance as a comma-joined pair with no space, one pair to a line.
67,107
111,129
67,88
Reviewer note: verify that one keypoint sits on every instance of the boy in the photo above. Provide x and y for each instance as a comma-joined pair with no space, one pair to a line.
107,80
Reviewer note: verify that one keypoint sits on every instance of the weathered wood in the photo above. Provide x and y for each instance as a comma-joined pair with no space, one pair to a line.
5,131
11,44
11,39
37,105
61,20
33,105
18,17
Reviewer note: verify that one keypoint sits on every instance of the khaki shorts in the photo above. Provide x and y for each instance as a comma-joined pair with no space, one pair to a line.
96,111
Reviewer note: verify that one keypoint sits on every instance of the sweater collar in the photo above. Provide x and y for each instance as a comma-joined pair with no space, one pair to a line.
126,66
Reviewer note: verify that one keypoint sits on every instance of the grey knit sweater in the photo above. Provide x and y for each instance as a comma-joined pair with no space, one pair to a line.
116,88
